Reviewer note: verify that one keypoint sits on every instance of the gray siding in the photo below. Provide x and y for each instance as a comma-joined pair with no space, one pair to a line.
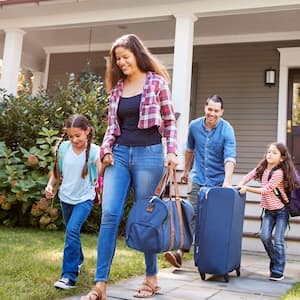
236,73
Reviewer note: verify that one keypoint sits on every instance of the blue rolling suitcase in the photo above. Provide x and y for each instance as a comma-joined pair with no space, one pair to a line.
219,230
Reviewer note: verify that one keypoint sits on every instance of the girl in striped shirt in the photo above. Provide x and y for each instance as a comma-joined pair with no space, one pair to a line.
275,171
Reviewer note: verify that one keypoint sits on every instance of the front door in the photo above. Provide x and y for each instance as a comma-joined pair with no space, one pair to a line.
293,122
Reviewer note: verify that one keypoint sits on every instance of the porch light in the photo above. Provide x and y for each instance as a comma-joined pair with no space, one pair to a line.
270,77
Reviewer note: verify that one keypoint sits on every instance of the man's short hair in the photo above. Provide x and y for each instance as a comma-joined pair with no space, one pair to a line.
216,99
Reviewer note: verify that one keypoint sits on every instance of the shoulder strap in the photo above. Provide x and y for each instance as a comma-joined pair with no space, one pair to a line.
271,172
92,165
63,147
276,190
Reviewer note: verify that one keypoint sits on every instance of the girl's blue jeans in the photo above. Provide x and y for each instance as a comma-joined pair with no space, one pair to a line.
140,168
74,217
275,221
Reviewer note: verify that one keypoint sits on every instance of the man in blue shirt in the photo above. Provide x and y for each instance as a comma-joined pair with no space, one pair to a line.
211,148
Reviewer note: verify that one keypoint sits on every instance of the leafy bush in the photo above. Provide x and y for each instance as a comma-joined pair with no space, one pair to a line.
29,128
22,117
23,177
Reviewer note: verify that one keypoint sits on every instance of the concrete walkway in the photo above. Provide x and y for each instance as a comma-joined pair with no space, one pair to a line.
186,284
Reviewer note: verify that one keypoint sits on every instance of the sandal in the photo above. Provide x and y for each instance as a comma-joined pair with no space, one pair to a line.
95,292
147,287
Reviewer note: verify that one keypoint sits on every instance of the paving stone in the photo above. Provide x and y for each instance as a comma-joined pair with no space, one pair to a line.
185,283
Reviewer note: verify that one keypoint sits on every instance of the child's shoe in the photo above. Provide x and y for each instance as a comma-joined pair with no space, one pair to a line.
276,277
64,284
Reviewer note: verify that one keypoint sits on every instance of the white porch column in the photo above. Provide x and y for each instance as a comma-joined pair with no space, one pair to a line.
38,78
11,59
46,72
182,73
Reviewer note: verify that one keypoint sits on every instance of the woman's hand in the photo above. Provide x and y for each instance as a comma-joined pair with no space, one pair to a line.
171,161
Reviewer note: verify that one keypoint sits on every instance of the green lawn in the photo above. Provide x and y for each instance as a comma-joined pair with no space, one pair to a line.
293,294
31,262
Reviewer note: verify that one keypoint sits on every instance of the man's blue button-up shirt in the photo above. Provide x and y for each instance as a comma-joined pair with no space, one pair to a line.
212,149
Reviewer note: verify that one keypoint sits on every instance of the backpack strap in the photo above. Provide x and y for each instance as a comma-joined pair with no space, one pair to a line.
277,193
92,165
63,147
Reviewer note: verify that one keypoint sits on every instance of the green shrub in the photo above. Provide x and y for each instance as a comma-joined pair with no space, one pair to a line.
29,128
23,177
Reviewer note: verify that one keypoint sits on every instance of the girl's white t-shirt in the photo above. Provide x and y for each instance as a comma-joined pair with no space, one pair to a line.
74,189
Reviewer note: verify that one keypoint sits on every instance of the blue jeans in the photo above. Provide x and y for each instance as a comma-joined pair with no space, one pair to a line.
137,167
192,197
277,221
74,217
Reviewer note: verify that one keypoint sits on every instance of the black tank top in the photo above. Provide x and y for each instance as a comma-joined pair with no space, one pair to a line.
128,117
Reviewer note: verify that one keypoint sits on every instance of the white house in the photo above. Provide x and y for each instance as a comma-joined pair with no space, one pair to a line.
210,46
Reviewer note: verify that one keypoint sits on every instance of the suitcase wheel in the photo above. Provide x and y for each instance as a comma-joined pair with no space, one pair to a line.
202,275
226,277
238,272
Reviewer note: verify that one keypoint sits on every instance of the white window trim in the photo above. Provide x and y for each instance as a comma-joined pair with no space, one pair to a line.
289,58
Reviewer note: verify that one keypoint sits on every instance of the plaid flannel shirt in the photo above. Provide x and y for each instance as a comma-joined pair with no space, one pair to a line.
156,109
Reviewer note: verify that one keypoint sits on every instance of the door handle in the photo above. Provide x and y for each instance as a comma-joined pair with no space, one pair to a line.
289,126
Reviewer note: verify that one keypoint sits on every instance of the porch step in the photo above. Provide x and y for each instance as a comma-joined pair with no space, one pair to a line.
252,223
252,242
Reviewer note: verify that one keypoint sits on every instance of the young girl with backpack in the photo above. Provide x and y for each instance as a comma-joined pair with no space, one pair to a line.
77,164
275,171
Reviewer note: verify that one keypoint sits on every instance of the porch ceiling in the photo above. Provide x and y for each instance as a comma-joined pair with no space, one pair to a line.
63,25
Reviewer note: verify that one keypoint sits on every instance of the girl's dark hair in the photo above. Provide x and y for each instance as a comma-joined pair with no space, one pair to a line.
144,59
81,122
287,166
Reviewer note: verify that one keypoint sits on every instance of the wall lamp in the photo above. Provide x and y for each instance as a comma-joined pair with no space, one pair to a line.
270,77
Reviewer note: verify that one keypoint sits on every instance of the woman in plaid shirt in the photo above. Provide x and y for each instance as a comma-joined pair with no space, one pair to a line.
140,114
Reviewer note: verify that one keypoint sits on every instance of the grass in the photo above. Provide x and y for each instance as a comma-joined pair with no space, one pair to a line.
30,262
294,293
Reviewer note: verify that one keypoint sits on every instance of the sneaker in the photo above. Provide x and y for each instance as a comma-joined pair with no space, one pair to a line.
64,284
79,267
276,277
173,259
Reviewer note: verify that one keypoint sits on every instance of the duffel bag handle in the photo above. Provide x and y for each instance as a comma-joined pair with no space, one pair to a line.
173,182
170,176
162,184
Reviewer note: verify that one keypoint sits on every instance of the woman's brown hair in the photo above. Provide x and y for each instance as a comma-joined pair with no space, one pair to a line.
144,59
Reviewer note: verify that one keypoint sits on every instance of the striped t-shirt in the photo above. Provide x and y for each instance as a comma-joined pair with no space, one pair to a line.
268,199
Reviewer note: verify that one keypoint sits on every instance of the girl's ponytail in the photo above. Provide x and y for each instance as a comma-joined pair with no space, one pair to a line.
87,154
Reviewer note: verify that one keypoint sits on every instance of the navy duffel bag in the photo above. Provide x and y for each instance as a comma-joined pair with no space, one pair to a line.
156,225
